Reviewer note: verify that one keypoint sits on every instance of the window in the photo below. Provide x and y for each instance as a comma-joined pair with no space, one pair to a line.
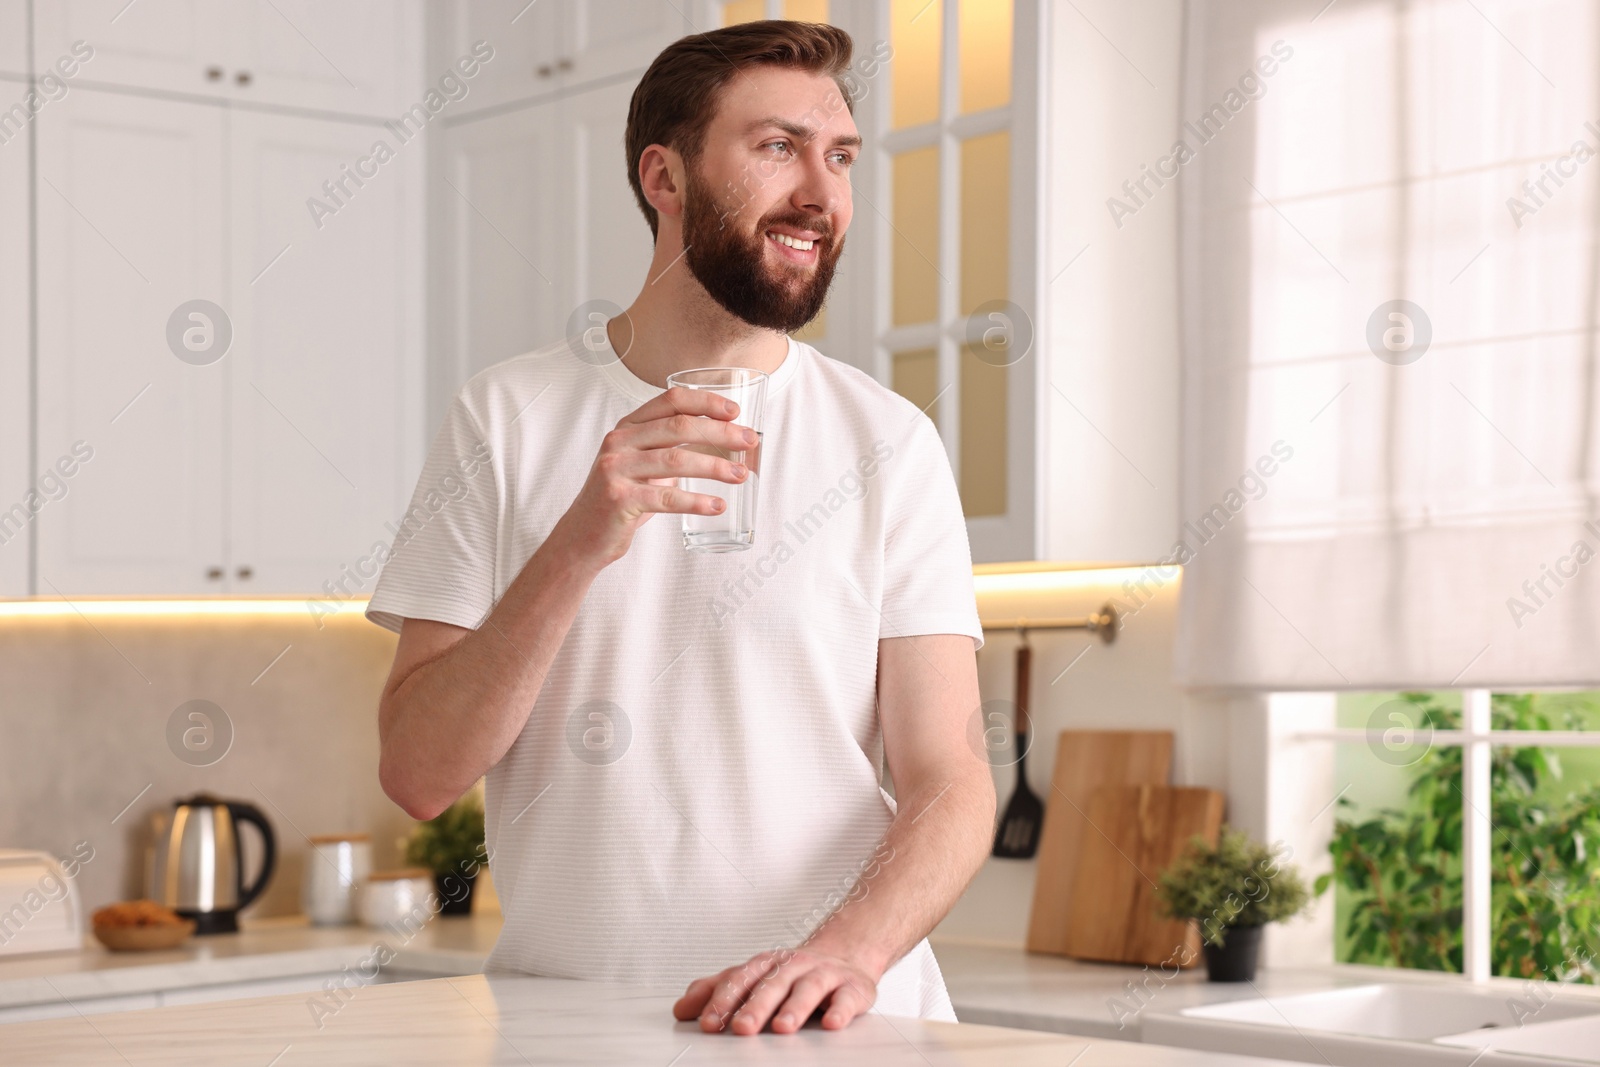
1466,829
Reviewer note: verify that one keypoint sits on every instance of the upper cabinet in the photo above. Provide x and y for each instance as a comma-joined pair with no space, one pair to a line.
520,267
17,478
324,406
354,57
236,377
140,425
13,43
594,41
544,48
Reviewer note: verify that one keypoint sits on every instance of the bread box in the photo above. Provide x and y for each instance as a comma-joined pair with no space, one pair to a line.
39,906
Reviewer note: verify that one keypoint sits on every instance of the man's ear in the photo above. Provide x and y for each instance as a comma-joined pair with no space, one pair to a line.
661,175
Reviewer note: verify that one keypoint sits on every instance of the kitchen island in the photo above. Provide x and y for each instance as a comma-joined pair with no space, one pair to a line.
495,1019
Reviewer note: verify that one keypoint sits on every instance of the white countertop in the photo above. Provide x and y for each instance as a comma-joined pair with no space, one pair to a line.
264,949
526,1020
1009,987
989,985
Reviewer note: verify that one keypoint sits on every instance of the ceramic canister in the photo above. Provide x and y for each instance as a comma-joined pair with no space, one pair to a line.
336,868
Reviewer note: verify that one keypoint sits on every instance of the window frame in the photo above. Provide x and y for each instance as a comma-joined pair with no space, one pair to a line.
1477,741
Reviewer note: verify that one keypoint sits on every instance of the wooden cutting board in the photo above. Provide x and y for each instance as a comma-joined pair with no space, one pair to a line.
1142,829
1085,760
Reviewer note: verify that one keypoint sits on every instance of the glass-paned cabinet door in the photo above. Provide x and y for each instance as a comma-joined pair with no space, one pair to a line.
944,199
949,145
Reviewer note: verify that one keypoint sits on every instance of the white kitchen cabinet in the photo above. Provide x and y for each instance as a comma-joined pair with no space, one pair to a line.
269,468
520,265
520,33
500,255
16,475
552,46
355,57
325,398
13,43
130,216
611,37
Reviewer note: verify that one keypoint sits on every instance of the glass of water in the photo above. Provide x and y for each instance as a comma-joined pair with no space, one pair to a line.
732,529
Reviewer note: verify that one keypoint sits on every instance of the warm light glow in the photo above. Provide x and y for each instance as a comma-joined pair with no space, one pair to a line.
50,607
1002,578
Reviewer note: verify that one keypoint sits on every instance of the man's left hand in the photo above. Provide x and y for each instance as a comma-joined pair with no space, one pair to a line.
784,985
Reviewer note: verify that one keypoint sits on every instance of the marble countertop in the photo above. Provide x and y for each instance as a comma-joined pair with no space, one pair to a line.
993,985
264,949
1004,986
525,1020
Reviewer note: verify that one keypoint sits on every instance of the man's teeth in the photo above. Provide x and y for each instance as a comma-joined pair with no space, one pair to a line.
792,242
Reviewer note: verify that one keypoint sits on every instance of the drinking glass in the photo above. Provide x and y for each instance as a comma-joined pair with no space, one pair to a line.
733,529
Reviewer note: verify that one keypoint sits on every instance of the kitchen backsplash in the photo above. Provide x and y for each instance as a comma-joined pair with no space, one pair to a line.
89,743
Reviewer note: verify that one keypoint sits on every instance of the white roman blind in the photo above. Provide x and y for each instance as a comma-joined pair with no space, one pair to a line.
1389,258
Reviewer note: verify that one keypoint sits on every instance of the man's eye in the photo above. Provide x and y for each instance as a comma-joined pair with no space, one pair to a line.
782,144
844,158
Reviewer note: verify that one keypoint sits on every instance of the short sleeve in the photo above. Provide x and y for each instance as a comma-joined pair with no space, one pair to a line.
927,562
441,564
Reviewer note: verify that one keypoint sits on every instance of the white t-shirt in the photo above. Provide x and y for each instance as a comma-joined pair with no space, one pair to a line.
698,780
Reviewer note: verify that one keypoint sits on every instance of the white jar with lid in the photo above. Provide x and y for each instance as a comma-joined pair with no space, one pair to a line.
336,868
404,896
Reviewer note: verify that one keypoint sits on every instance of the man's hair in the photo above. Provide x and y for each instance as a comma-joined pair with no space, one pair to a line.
676,100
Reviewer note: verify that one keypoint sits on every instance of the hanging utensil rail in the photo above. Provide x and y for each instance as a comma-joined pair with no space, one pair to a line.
1104,622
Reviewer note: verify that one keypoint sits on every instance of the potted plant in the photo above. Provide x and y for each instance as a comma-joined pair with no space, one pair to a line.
451,845
1231,890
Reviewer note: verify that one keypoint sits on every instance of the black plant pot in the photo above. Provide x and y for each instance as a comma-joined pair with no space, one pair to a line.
1235,961
455,893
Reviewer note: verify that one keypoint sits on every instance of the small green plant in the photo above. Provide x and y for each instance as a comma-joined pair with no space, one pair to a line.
1402,869
1238,883
452,841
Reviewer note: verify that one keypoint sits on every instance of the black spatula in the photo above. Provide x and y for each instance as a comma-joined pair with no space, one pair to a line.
1018,833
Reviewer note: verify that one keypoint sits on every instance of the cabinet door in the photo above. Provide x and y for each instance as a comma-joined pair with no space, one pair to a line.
502,282
592,203
16,430
177,45
611,37
516,267
327,321
522,35
356,56
129,202
13,43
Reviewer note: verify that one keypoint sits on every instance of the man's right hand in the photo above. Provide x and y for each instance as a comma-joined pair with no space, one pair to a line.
635,474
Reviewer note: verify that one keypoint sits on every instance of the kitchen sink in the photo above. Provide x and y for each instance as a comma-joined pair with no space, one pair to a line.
1374,1025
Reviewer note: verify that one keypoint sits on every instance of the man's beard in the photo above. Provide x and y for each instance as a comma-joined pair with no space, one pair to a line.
732,264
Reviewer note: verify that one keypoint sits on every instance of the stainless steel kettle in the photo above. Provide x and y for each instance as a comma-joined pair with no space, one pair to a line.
196,865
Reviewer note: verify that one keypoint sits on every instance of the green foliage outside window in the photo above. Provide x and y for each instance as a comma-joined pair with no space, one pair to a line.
1402,869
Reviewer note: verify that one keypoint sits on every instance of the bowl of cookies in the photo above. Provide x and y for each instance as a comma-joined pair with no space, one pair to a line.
139,925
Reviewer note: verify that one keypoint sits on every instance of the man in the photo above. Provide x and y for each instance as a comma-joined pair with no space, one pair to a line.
683,750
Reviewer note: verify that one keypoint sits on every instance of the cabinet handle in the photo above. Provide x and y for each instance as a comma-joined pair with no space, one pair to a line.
214,573
544,70
245,572
214,74
563,64
243,77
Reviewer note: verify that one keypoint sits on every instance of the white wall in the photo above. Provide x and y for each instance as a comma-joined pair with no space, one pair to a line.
1111,329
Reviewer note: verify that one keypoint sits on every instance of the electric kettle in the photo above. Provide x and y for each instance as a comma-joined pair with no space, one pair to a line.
196,865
